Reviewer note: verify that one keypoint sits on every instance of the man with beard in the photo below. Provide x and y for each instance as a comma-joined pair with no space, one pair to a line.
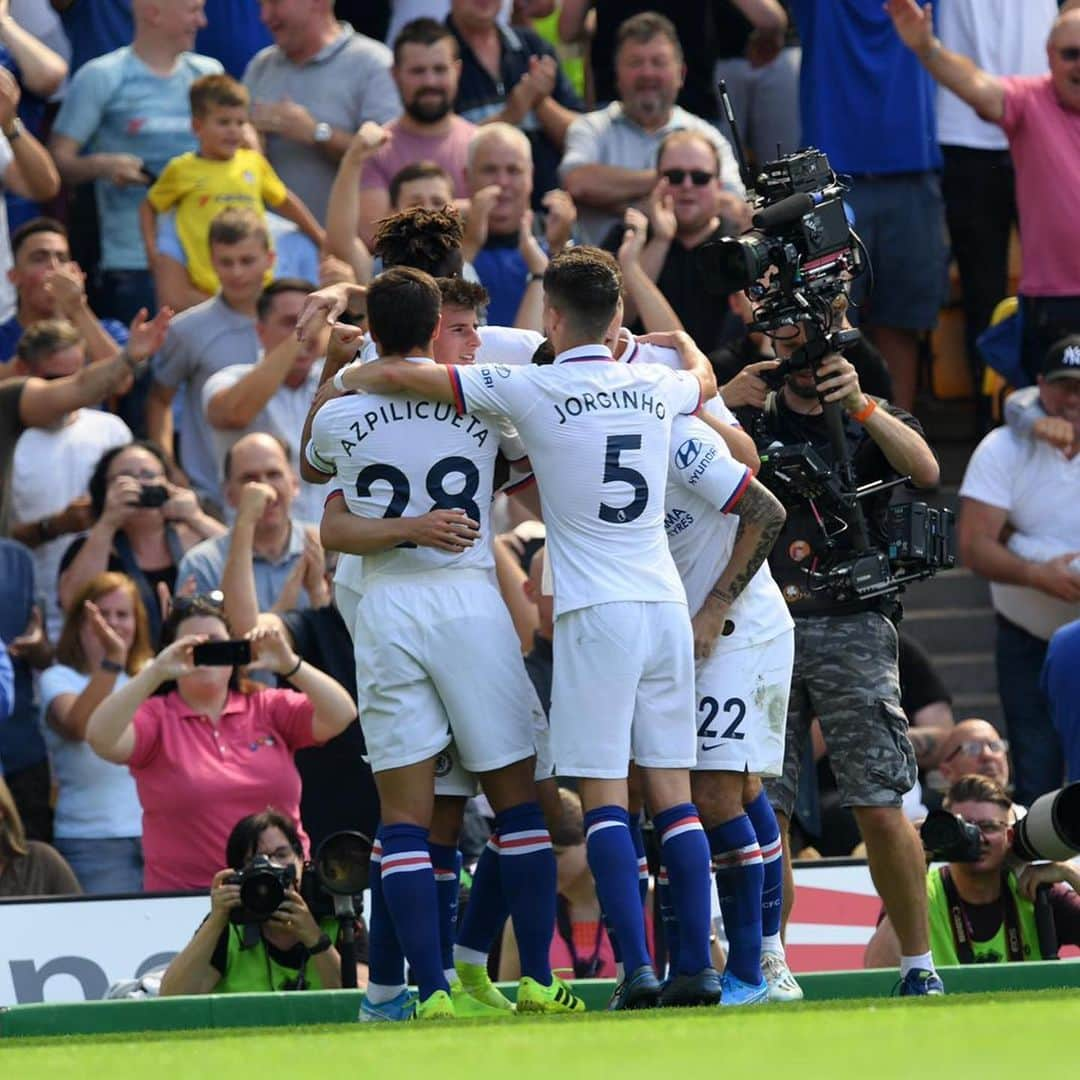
426,70
846,651
610,159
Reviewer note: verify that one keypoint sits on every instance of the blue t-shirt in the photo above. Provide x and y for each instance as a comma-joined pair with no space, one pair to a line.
12,330
502,271
233,34
21,742
865,98
96,27
1061,686
117,105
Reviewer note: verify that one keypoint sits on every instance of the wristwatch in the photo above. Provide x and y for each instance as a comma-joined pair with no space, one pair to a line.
111,665
16,129
322,133
321,945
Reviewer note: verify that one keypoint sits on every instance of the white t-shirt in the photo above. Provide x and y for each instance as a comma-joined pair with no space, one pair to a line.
1002,37
1040,489
96,799
401,456
597,434
701,506
52,466
7,290
283,417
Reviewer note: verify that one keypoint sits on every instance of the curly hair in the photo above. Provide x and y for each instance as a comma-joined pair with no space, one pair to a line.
428,240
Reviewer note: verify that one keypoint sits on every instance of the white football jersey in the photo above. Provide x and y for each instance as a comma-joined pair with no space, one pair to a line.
639,352
398,456
597,434
507,345
701,510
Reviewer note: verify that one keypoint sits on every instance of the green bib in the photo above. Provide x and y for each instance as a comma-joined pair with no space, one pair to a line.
247,971
994,951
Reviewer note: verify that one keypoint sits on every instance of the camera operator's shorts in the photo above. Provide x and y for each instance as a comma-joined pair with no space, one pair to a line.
846,675
901,219
742,705
437,657
453,779
622,687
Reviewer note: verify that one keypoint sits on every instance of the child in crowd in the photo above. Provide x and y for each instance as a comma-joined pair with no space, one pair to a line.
223,173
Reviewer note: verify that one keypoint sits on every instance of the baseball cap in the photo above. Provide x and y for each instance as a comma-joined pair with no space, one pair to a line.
1063,359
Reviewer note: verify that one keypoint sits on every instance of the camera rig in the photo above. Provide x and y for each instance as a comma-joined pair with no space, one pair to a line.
795,265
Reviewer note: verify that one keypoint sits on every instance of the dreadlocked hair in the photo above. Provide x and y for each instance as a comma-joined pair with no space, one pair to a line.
428,240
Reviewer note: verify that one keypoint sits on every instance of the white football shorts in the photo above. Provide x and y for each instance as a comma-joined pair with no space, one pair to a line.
437,658
742,702
622,688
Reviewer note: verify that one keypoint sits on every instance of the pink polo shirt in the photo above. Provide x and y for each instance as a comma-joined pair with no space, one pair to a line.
196,780
1044,138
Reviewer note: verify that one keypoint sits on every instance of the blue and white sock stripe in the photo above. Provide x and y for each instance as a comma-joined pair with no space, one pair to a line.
606,823
772,852
643,869
405,862
690,823
743,856
445,875
376,852
662,877
525,842
493,842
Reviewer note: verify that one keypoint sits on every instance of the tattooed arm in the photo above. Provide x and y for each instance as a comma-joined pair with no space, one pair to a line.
761,517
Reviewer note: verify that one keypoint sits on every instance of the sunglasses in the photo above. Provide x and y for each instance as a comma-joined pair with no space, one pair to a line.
698,177
974,746
1070,54
991,828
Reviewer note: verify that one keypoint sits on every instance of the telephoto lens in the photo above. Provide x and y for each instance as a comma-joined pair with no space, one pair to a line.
1051,828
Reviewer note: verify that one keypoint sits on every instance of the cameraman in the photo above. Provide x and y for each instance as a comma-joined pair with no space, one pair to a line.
982,912
846,653
290,950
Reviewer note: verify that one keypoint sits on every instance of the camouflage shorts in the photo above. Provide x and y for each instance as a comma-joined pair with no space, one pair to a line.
846,675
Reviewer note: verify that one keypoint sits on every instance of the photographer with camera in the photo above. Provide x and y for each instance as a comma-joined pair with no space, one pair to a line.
280,945
846,644
981,909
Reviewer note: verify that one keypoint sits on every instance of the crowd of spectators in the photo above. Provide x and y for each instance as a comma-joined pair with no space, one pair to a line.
178,175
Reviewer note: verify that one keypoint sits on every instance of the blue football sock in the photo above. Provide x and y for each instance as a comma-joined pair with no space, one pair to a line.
386,961
408,887
527,869
614,868
670,919
642,863
739,872
446,863
685,853
763,819
487,910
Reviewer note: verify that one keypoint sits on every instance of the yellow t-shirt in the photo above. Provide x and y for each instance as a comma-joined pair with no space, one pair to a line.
200,188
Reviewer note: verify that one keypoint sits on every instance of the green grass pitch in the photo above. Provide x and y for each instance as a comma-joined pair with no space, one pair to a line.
979,1036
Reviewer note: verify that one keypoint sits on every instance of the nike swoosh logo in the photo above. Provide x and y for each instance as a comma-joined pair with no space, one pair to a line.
714,746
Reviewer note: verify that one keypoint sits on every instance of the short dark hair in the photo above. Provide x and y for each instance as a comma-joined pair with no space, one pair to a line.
423,31
417,170
584,284
457,292
428,240
645,26
244,838
236,224
403,306
569,831
975,788
217,91
32,227
276,287
98,482
41,339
